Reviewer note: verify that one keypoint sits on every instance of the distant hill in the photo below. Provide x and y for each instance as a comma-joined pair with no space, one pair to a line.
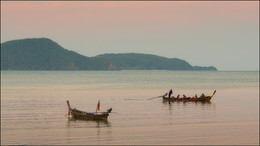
45,54
136,61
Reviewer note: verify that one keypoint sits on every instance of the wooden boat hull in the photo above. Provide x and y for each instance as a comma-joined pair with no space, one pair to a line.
88,116
203,99
91,116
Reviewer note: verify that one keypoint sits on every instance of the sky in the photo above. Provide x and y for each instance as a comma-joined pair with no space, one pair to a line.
213,33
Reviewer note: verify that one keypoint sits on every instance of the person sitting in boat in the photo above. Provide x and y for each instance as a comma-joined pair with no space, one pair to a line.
196,96
184,96
202,95
178,96
170,93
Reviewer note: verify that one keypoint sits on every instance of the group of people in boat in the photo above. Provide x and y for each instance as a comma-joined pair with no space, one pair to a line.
183,96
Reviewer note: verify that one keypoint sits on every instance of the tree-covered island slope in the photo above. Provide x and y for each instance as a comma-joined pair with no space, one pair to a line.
45,54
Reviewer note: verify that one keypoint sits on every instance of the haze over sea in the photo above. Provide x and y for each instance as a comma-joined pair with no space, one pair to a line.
33,107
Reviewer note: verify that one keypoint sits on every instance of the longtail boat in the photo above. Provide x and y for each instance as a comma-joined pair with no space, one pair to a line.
201,99
88,115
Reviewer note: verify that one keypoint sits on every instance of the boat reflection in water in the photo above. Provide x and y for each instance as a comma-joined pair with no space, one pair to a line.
85,127
184,102
87,123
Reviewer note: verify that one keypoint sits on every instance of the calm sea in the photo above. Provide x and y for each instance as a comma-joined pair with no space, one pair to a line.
33,107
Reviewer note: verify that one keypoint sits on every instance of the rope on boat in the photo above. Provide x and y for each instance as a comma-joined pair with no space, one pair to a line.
155,97
135,99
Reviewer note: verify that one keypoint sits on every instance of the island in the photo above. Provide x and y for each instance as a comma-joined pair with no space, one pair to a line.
45,54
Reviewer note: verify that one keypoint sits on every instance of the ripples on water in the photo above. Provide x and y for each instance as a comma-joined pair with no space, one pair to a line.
33,107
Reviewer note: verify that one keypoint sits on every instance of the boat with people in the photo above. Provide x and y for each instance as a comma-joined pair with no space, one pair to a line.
202,98
88,115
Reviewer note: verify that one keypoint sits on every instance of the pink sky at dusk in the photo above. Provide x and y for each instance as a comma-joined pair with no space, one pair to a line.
135,13
179,29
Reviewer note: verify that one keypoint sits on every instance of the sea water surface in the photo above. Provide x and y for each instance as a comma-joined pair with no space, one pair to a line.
34,109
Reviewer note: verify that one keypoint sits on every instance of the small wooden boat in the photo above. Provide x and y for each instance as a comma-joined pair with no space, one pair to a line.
88,115
201,99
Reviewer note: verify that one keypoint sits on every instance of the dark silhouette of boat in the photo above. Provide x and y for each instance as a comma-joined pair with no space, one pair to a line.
200,99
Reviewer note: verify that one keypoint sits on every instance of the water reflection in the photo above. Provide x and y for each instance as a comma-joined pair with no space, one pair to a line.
97,128
186,102
182,113
84,123
202,105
